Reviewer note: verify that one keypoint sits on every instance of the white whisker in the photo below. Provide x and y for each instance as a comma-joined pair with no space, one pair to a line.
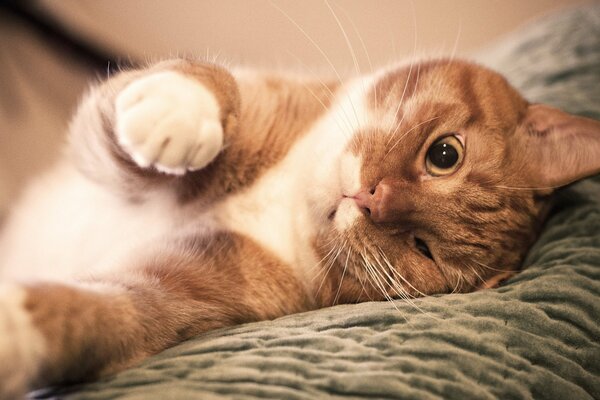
527,187
352,54
318,263
407,132
483,281
342,279
319,49
412,62
400,103
346,38
398,287
488,267
310,39
364,47
456,40
376,280
330,266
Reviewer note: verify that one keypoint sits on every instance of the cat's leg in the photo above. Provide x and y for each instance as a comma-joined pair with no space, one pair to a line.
153,125
54,333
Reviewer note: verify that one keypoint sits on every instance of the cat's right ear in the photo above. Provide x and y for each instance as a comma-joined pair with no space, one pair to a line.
556,148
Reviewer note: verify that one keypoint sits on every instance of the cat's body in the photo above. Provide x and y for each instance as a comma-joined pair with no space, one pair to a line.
192,198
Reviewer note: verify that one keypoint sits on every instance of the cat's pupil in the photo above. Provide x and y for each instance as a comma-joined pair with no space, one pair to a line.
443,155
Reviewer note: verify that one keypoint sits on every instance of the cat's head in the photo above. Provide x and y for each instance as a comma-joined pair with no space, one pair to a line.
446,186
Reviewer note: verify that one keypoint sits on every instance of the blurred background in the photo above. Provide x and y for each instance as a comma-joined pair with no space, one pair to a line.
50,50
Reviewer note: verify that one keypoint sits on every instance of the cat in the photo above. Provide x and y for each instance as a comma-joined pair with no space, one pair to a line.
193,197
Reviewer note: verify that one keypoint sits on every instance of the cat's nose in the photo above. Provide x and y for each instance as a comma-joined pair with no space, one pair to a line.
372,202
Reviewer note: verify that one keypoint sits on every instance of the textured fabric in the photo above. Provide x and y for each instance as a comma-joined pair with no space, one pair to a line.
535,337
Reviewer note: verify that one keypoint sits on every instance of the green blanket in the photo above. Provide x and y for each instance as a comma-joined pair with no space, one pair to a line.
535,337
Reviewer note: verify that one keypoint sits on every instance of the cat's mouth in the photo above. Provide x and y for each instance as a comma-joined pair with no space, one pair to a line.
334,209
332,213
335,205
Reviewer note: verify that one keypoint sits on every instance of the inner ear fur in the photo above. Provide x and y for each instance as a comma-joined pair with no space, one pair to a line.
556,148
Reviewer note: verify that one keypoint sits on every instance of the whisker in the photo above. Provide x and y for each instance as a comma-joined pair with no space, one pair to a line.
332,263
402,119
412,62
318,263
456,40
488,267
346,38
312,72
310,39
527,187
315,76
380,278
364,47
483,281
376,280
400,103
398,287
342,279
364,289
457,285
319,49
407,132
459,282
392,282
327,265
352,54
337,118
337,121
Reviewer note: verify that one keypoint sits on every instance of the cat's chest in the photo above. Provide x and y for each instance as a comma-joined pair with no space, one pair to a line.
286,207
273,212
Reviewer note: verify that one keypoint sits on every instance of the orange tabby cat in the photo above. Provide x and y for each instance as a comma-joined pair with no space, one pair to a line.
193,197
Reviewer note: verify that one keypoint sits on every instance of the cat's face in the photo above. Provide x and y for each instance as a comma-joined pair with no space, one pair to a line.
440,202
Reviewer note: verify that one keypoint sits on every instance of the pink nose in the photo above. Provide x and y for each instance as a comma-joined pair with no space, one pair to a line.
372,202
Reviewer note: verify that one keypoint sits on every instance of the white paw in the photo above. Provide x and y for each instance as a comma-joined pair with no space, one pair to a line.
21,345
170,122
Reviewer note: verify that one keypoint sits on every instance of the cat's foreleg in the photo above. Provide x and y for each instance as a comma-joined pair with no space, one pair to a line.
55,333
154,124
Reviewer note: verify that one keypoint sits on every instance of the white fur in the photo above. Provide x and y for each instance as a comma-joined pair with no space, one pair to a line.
286,207
22,347
350,179
346,215
69,226
348,212
169,121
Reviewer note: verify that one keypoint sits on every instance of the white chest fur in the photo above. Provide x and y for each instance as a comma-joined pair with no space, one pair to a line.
284,209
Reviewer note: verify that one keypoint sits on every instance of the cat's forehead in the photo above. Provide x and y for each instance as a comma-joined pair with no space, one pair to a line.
446,89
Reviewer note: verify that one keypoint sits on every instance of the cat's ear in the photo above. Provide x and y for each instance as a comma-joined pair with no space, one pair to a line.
557,148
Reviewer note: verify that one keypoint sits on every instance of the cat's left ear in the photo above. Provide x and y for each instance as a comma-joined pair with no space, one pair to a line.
557,148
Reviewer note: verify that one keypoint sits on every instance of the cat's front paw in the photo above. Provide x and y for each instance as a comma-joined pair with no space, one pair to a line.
170,122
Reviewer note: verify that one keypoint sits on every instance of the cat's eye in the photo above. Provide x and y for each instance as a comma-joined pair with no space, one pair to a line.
423,248
444,156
